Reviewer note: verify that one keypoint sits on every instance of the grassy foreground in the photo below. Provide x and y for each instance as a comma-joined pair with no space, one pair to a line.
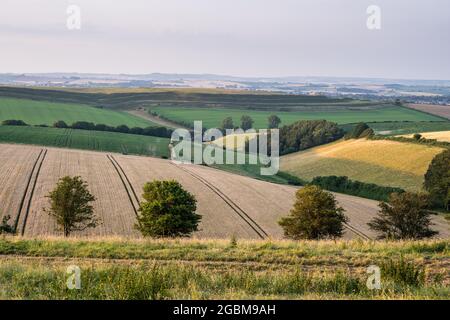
221,269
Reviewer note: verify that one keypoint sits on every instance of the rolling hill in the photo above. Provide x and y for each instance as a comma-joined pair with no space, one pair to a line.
45,112
383,162
212,118
86,140
230,204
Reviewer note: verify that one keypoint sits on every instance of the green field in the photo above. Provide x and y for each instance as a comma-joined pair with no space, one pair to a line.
43,112
212,118
220,269
403,127
86,140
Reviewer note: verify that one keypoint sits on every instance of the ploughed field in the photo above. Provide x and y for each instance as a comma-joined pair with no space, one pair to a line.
231,205
438,110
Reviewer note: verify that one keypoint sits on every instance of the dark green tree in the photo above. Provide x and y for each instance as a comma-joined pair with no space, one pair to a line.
404,217
227,123
167,210
437,180
315,215
246,122
273,121
60,124
70,205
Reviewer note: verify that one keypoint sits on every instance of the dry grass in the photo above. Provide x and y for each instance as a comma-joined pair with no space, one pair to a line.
383,162
438,135
214,269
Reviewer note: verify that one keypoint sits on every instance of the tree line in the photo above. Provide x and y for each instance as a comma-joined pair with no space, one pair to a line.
356,188
162,132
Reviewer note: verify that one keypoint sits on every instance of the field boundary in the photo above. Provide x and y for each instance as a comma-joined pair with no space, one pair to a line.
30,199
244,216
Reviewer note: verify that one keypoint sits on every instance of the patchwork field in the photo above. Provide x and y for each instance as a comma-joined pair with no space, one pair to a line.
439,110
383,162
212,118
230,204
438,135
44,112
86,140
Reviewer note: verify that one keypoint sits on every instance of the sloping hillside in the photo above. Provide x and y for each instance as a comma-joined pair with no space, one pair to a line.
384,162
230,204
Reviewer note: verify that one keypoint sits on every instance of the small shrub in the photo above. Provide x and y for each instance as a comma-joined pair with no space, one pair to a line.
5,227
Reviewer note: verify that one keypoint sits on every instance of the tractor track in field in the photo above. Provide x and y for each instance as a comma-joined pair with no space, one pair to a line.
126,184
240,212
126,178
38,167
357,232
22,201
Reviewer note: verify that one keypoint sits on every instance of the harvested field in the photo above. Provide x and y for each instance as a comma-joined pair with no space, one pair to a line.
438,110
112,205
383,162
437,135
230,204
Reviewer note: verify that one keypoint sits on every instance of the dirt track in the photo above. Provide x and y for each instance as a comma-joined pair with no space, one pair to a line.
230,204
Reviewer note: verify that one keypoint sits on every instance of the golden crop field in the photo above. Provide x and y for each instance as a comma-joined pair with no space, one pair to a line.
231,205
384,162
438,135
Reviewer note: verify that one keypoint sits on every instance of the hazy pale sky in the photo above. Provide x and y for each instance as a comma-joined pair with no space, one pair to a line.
232,37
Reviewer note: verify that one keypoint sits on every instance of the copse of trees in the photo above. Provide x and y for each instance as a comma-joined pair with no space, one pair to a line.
361,189
315,215
273,121
70,205
308,133
14,123
361,130
167,210
406,216
437,181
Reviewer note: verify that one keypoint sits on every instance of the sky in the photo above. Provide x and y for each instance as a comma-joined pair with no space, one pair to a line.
230,37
